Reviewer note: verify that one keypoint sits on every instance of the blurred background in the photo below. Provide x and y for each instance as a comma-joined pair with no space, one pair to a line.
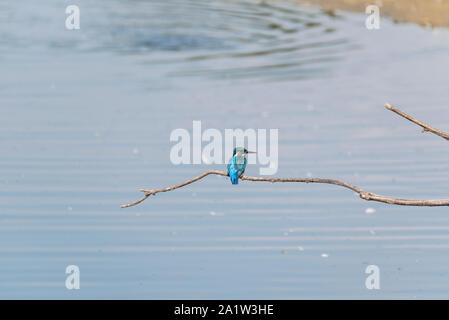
85,121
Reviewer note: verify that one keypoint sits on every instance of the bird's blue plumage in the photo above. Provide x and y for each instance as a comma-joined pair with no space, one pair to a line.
237,165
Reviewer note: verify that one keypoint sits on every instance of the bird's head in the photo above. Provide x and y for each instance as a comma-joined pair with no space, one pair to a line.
241,150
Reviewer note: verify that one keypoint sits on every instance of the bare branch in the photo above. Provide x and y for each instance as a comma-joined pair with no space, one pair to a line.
426,128
154,191
369,196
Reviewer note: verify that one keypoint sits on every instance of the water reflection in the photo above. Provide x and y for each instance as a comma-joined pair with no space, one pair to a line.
242,39
249,39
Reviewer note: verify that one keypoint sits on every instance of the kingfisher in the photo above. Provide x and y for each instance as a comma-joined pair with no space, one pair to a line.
237,164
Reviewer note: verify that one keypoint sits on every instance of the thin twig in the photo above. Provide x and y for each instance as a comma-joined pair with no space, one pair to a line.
369,196
426,128
154,191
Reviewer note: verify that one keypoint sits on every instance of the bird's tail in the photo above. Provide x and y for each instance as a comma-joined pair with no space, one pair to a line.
234,179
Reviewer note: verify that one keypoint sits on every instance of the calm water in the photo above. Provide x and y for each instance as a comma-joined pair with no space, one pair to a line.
85,120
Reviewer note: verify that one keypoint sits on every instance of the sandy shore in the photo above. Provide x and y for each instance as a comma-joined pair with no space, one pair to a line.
429,13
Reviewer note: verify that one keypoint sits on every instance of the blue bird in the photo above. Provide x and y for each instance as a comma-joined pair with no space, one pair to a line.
237,164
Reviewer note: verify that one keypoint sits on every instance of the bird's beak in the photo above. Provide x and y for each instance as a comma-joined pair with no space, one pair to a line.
251,152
